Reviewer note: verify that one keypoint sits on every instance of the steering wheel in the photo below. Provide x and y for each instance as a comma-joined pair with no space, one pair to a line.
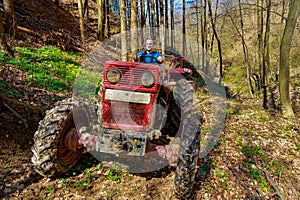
152,57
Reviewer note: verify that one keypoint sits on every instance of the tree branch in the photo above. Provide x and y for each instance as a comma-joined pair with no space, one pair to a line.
271,181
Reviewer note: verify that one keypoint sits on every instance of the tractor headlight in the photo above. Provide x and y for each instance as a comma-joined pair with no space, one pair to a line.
147,79
113,75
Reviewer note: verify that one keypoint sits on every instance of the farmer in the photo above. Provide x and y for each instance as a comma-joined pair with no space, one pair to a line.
149,55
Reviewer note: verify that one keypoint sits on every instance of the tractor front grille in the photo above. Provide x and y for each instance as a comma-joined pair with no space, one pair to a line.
131,76
125,115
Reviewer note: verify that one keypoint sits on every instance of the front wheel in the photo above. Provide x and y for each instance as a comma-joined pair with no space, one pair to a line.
189,131
56,148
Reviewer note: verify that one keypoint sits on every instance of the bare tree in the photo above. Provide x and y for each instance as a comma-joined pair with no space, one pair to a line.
123,30
183,29
266,56
86,9
11,22
143,18
156,2
151,13
260,37
81,20
204,43
283,10
241,33
245,49
198,24
166,22
162,26
172,22
218,40
284,71
106,18
100,20
134,26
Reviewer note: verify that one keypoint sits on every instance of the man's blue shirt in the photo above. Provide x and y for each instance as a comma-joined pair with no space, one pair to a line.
149,57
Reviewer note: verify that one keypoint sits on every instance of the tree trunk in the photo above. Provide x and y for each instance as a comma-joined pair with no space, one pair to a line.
172,23
198,24
218,41
143,19
162,26
11,22
284,71
266,57
3,43
134,26
283,11
128,13
166,23
260,37
245,49
151,17
157,18
86,9
123,30
100,20
203,19
183,29
81,21
106,15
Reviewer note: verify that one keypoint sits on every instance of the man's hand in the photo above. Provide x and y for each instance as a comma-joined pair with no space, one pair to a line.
136,58
159,59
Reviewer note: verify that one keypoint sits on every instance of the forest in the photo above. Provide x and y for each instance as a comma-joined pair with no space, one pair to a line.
244,77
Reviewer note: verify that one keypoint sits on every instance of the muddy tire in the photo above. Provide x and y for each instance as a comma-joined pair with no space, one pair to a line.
51,157
189,131
173,120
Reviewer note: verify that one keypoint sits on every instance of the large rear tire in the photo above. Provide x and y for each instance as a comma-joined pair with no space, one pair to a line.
189,131
51,156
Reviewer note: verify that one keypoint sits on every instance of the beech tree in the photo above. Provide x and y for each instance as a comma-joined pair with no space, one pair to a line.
172,23
162,26
81,21
284,70
166,22
217,38
183,29
143,18
260,38
266,56
100,20
106,13
123,30
134,26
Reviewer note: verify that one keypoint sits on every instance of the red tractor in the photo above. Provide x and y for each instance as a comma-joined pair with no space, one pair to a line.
138,105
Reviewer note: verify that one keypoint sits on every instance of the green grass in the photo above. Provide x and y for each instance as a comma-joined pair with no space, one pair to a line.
47,67
50,188
252,153
236,75
113,175
230,110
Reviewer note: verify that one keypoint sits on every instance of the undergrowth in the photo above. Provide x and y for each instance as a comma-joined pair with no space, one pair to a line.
47,67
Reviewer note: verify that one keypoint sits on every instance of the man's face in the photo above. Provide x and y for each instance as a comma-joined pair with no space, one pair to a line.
149,45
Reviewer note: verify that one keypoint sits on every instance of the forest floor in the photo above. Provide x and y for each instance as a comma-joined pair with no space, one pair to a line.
257,155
